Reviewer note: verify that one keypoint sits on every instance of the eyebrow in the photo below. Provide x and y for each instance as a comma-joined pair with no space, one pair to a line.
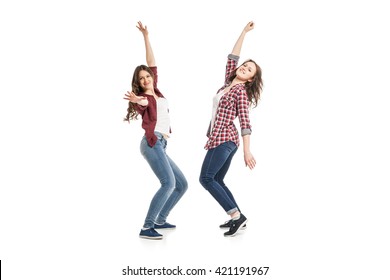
249,67
147,75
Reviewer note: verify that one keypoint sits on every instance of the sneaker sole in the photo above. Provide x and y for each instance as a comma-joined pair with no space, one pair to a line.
164,228
244,223
243,228
151,237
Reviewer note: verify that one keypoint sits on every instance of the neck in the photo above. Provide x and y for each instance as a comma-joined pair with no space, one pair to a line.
149,92
237,80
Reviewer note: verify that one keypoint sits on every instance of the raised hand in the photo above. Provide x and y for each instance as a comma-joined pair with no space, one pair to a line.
237,46
133,98
250,25
150,60
142,28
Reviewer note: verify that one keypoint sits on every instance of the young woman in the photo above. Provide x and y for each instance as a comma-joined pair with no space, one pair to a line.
242,88
146,100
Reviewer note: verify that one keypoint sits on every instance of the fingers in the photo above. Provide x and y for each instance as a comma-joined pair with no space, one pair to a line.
250,26
129,95
251,163
141,27
132,97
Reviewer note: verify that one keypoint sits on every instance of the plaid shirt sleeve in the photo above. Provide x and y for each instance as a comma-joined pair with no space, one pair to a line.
230,66
243,111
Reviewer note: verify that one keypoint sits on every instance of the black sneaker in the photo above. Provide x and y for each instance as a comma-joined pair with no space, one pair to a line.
150,233
236,225
227,224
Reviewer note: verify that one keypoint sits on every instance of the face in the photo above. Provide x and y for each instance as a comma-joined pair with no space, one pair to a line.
246,71
145,80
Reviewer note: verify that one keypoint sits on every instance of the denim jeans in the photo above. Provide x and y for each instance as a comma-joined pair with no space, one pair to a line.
214,168
173,182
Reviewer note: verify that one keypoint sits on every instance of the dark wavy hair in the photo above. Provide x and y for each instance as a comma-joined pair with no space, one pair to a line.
253,88
132,113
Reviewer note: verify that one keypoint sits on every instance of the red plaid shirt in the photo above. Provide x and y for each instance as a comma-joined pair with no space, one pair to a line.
232,104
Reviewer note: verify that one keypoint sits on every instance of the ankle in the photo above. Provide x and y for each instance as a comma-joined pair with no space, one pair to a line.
235,215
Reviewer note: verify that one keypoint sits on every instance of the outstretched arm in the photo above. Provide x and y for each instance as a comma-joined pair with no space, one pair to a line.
237,47
148,47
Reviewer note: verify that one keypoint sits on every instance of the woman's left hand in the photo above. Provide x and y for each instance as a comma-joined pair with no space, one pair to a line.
249,160
143,28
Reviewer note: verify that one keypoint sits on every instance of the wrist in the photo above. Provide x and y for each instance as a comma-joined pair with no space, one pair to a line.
142,102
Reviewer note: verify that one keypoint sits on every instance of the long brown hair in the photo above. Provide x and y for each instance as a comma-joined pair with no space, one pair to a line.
253,88
132,113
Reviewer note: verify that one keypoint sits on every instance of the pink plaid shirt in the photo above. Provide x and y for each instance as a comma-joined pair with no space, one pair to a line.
232,104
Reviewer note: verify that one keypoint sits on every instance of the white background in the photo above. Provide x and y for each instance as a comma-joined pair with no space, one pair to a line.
74,189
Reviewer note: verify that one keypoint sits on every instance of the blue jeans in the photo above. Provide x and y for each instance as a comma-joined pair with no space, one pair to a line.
214,168
173,182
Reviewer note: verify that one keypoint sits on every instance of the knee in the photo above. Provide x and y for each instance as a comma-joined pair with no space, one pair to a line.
205,180
221,182
168,183
182,185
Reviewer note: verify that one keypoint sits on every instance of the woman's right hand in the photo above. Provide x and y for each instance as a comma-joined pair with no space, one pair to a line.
133,98
250,25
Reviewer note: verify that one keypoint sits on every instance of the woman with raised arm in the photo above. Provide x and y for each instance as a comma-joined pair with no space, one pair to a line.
242,89
146,100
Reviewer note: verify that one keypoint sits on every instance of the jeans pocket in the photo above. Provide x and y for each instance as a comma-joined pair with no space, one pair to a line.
230,146
159,136
164,142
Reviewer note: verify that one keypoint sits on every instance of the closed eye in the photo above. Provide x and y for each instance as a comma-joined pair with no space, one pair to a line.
246,66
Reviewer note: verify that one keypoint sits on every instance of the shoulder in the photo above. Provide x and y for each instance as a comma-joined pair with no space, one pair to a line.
240,92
